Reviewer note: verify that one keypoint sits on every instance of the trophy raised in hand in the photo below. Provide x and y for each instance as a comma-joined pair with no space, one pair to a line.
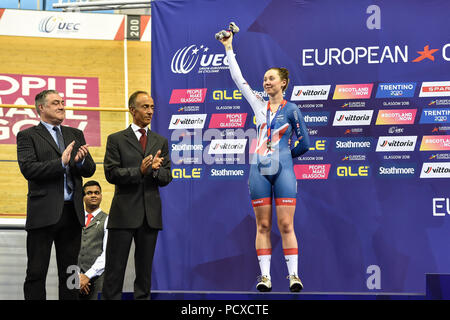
223,34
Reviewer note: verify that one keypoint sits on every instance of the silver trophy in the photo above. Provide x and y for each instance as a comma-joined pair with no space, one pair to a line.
223,34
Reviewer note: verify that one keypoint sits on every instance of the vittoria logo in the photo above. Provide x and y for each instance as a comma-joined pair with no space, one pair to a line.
227,146
188,121
353,118
435,170
300,93
398,143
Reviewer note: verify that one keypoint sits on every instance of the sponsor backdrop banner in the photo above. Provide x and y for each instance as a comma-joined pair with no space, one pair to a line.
373,86
19,89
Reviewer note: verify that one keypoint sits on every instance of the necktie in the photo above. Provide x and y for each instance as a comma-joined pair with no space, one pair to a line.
143,138
61,146
89,218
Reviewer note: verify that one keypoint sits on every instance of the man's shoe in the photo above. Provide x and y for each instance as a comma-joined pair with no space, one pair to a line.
295,285
264,284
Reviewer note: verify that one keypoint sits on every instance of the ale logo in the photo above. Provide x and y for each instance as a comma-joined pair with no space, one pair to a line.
353,171
183,173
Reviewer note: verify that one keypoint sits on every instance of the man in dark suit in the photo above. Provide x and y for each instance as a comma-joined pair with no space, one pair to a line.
53,158
137,162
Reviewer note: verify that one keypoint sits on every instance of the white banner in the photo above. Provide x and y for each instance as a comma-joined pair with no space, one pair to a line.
72,25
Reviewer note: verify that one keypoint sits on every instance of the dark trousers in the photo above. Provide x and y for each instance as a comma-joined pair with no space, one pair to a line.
66,234
117,252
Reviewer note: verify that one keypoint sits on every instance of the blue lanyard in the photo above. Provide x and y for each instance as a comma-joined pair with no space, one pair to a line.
271,125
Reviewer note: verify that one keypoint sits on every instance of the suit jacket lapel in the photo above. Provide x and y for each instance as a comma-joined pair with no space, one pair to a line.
67,135
43,132
151,143
130,136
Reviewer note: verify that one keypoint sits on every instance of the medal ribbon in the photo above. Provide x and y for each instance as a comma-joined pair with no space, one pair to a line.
271,125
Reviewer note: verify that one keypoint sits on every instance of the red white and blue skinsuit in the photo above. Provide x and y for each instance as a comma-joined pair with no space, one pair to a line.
273,168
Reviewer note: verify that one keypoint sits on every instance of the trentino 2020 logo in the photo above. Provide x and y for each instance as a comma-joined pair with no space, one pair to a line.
186,59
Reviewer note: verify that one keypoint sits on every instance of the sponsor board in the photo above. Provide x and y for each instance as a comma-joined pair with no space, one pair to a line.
357,144
435,89
353,171
187,173
312,171
71,25
183,96
313,119
397,170
396,116
227,120
187,121
353,118
225,95
435,170
352,91
301,93
19,89
441,115
435,143
396,90
221,172
396,143
227,146
316,144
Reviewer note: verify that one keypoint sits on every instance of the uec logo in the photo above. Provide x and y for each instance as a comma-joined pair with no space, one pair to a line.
185,59
51,23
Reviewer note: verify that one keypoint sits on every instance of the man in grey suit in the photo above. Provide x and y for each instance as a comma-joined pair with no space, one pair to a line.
91,259
137,162
53,158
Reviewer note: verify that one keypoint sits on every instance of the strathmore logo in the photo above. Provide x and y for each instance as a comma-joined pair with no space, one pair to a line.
186,59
